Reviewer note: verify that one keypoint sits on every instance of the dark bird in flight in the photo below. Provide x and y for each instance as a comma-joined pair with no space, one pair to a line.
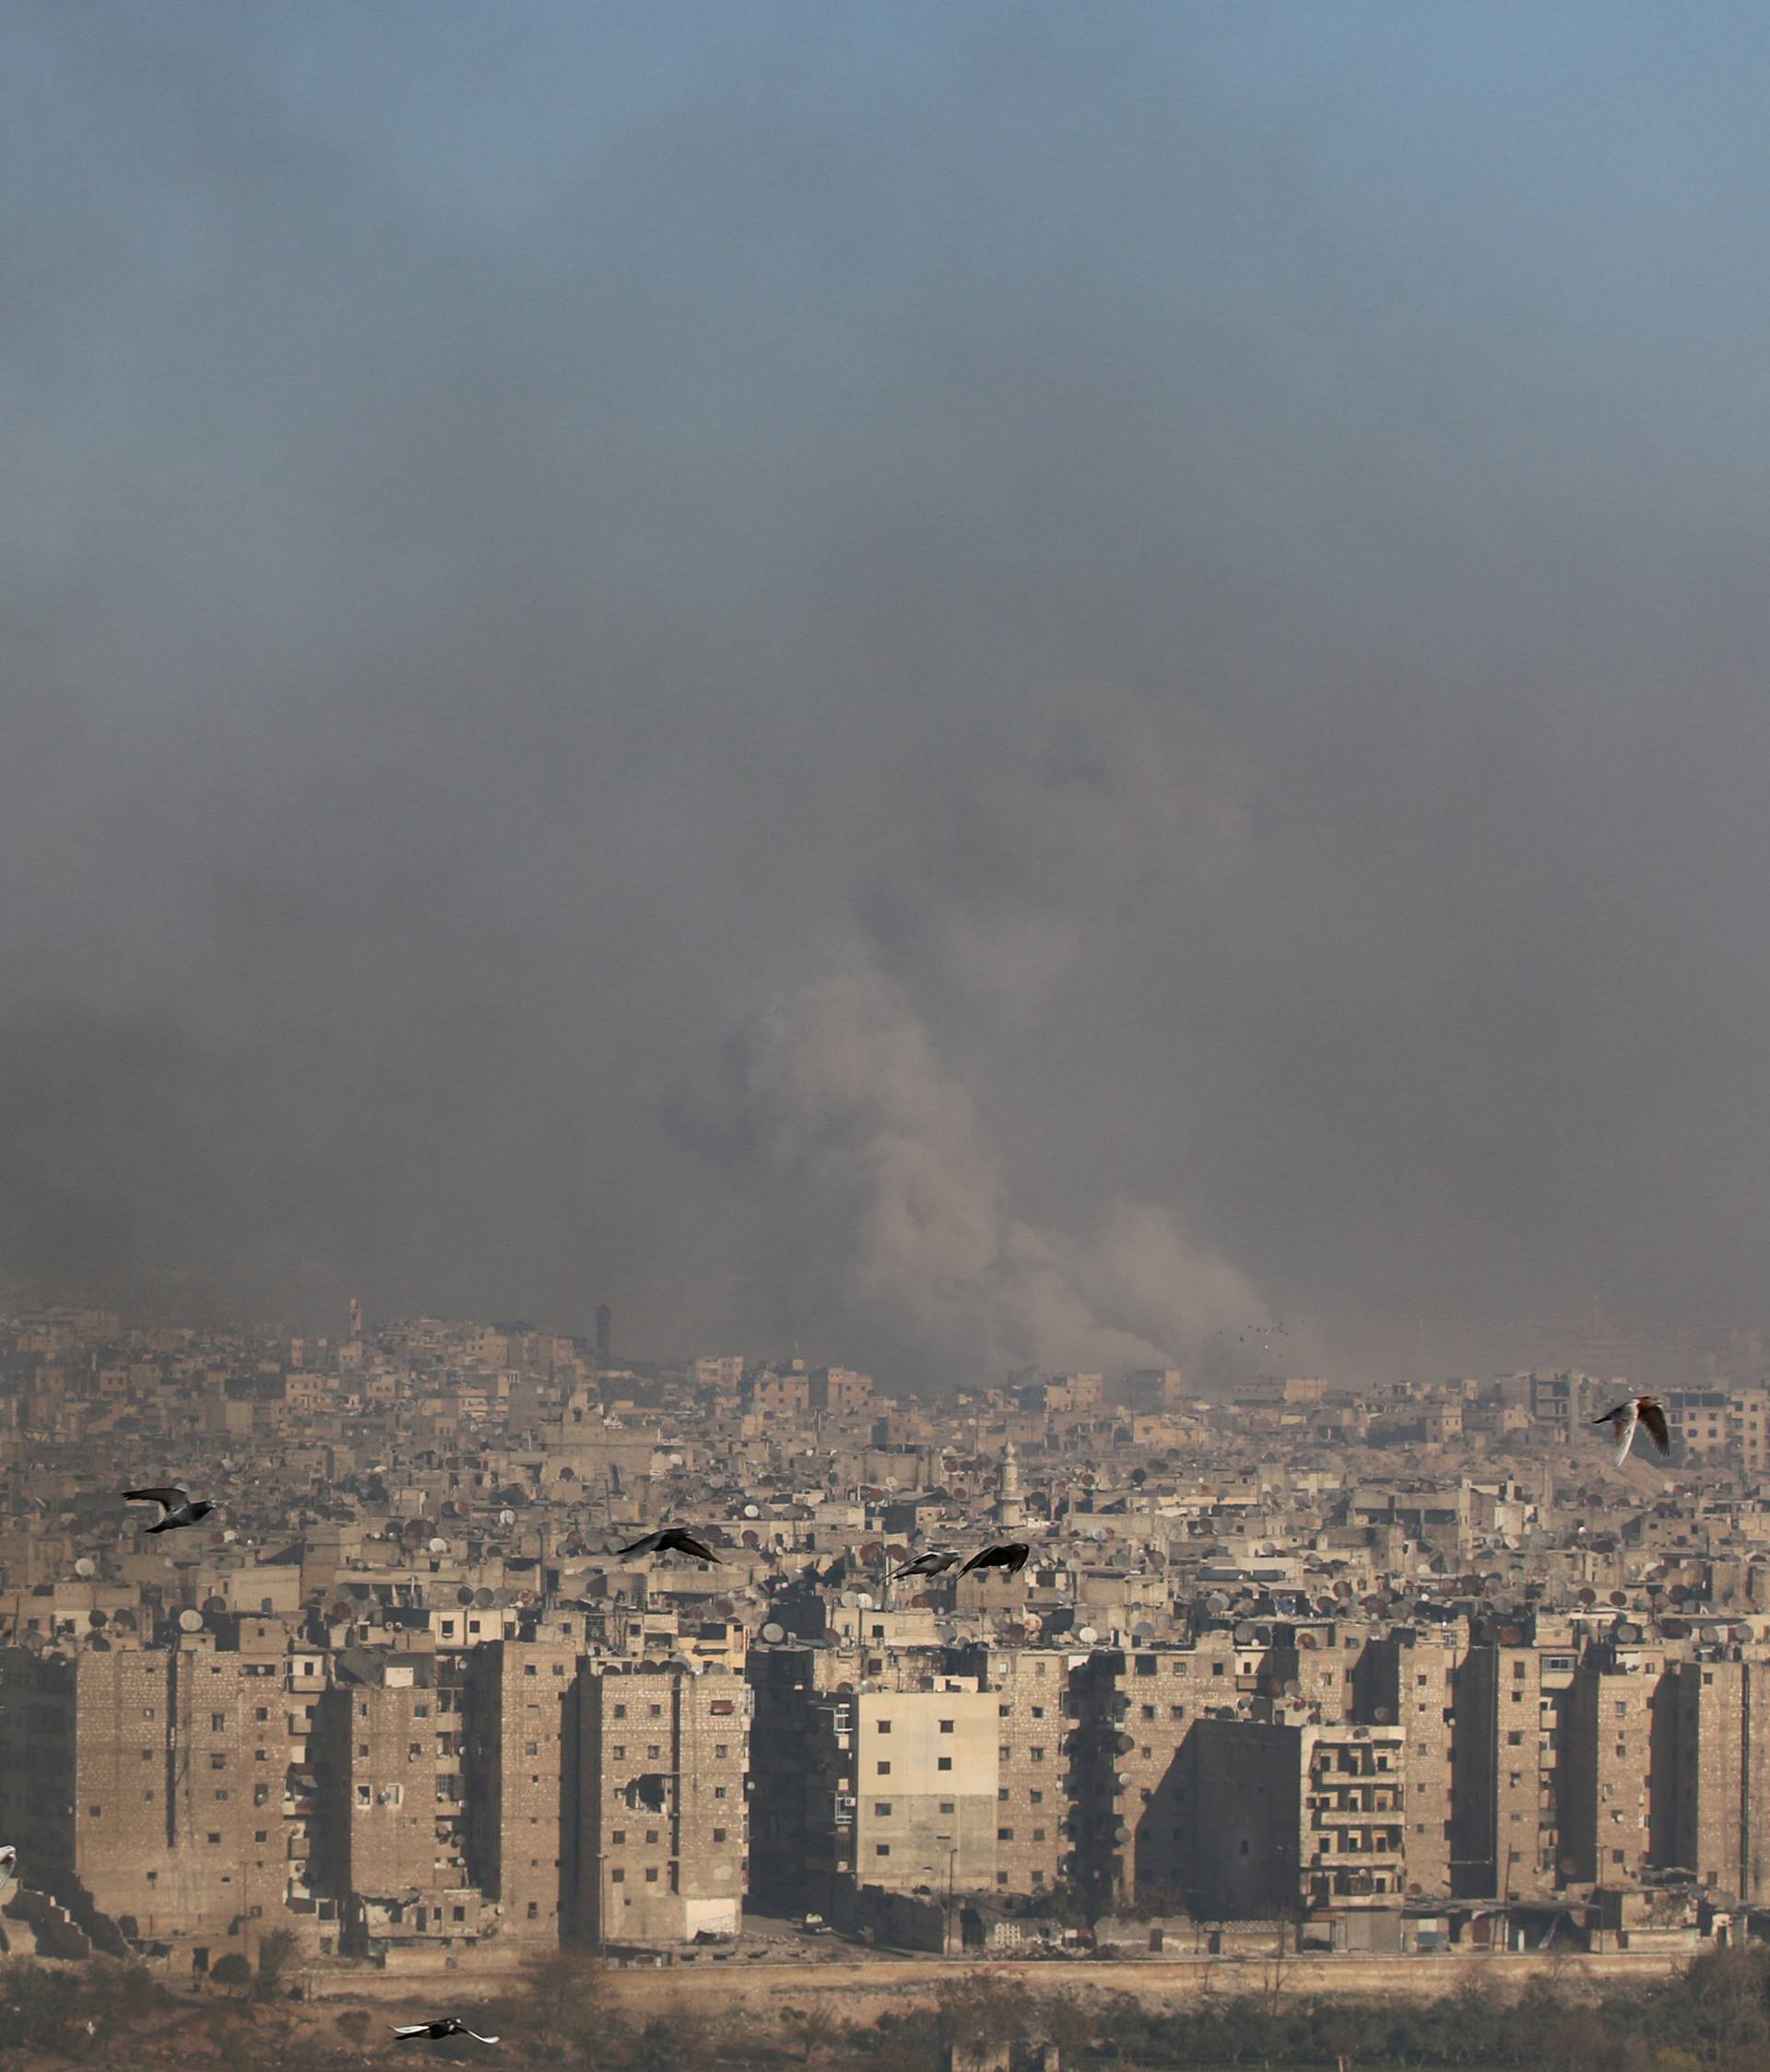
1628,1419
672,1540
936,1561
1008,1554
450,2025
176,1507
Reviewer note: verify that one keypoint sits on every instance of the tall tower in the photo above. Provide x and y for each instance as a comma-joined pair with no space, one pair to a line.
605,1334
1008,1510
355,1320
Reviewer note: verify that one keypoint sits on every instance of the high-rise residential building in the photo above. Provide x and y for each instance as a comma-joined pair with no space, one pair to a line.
662,1817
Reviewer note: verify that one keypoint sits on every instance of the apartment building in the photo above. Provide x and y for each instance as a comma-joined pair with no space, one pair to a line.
520,1726
1287,1812
662,1817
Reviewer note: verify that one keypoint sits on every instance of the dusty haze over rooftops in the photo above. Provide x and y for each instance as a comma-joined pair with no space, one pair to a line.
965,684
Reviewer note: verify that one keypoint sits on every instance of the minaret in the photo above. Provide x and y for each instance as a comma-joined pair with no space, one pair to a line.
1008,1502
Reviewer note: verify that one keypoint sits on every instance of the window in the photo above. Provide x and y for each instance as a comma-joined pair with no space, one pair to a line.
213,1841
1004,1834
943,1763
718,1834
1037,1798
946,1805
618,1877
1149,1711
617,1837
883,1808
619,1751
363,1795
1037,1754
1001,1796
621,1711
882,1849
1038,1834
720,1750
651,1874
218,1762
884,1769
95,1812
946,1726
656,1712
719,1790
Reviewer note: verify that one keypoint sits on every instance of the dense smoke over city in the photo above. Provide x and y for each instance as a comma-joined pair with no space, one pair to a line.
961,687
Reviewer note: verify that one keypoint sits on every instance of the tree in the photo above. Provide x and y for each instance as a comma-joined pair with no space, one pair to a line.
276,1953
233,1969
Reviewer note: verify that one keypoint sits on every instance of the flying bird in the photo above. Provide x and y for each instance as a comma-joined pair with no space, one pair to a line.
177,1508
936,1561
9,1863
672,1540
450,2025
1008,1554
1628,1417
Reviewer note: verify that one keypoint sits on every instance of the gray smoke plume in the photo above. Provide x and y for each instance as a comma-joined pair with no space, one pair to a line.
896,1218
896,1225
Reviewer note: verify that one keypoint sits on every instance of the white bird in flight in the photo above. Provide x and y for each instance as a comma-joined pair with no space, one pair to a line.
1628,1417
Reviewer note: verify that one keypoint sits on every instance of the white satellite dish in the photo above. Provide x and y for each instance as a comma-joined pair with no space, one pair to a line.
771,1632
1087,1636
228,1536
1099,1532
675,1460
752,1511
191,1622
506,1517
865,1601
851,1598
439,1547
86,1565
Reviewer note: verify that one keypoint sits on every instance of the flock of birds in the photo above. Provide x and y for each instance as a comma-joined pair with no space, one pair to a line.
179,1509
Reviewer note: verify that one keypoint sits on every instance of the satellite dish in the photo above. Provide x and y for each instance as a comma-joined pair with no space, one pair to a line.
675,1460
228,1536
191,1622
771,1632
439,1547
482,1599
865,1601
463,1595
86,1566
506,1517
96,1616
1097,1532
1383,1715
1087,1636
752,1511
851,1598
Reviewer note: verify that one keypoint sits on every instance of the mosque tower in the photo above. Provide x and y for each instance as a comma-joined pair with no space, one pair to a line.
1008,1508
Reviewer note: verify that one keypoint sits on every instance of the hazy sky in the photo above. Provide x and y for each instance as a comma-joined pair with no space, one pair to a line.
962,684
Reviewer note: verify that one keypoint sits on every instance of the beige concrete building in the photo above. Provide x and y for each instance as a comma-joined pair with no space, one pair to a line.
662,1832
520,1725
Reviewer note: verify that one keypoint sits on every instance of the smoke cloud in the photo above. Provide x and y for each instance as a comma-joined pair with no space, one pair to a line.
955,685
